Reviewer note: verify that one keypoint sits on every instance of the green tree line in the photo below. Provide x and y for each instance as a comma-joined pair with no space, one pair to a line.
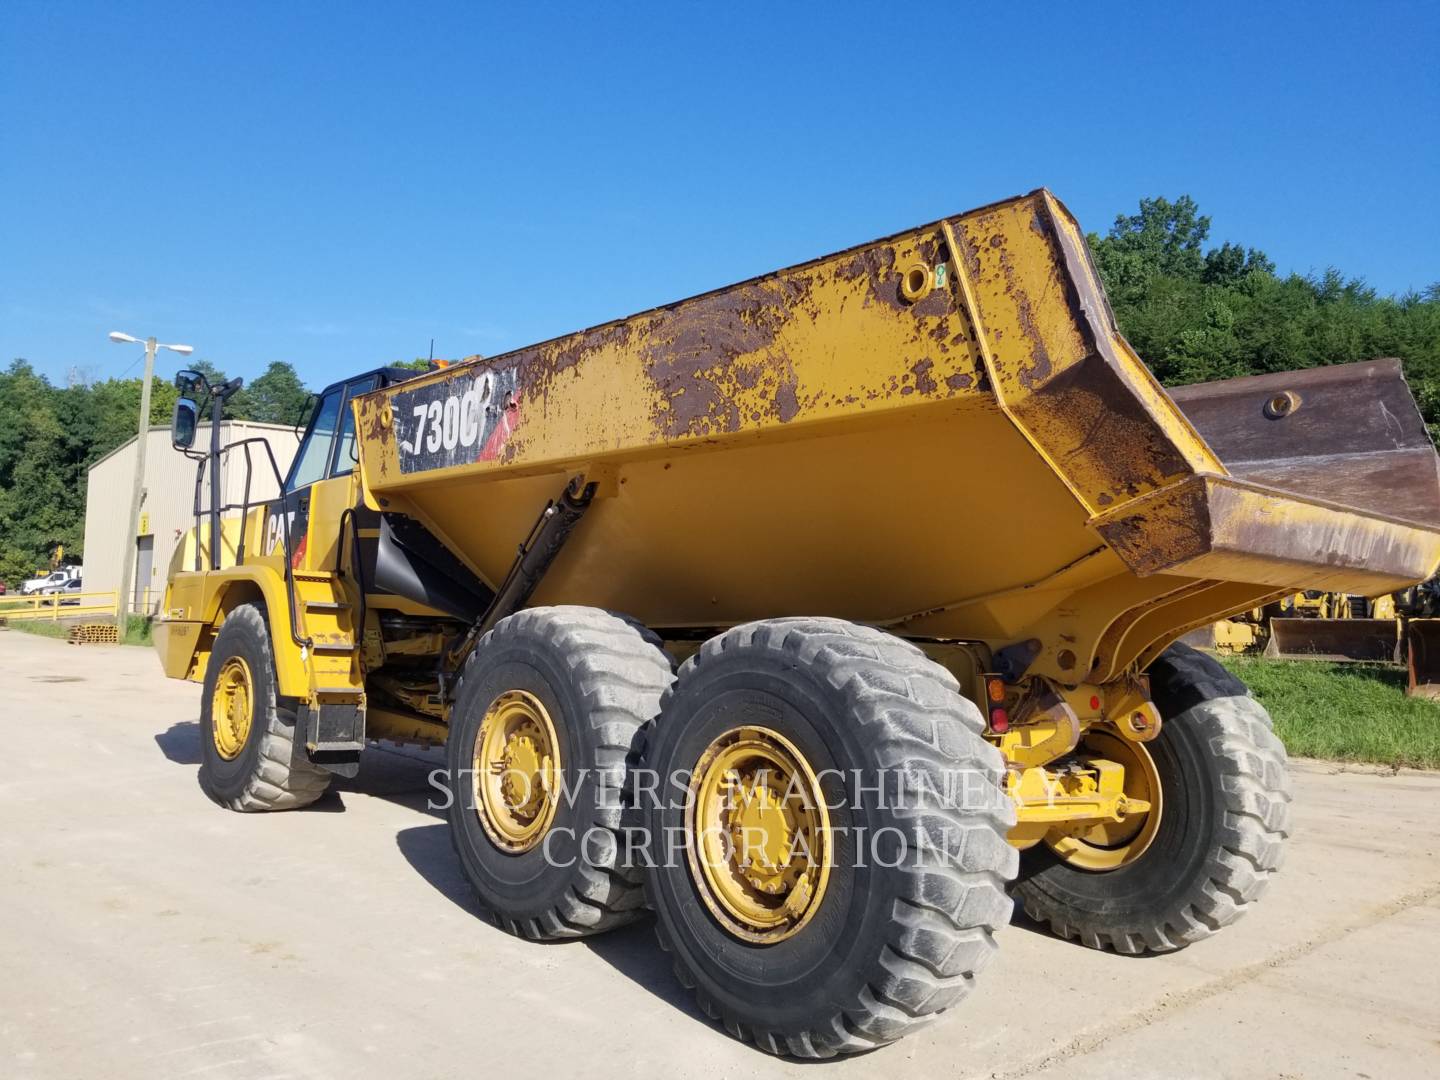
1194,311
51,435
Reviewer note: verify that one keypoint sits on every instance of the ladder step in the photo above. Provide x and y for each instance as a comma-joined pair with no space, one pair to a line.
326,605
346,691
336,647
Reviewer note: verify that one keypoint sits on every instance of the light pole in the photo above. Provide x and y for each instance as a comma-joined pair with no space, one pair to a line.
142,438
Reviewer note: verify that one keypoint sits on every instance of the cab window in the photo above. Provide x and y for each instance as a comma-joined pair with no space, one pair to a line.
345,445
314,453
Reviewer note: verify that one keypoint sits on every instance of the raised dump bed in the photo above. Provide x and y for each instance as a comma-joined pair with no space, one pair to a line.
923,529
944,446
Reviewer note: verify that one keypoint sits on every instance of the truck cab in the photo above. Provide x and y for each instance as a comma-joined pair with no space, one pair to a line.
306,560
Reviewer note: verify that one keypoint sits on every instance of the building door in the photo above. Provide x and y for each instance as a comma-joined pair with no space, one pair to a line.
144,563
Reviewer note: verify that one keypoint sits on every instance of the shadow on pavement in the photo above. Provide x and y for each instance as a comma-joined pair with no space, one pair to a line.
403,777
631,950
398,776
180,743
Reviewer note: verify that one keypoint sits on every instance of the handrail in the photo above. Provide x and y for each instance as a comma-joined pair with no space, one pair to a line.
55,605
244,506
357,563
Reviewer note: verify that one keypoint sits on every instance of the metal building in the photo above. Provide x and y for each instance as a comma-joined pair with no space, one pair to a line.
167,507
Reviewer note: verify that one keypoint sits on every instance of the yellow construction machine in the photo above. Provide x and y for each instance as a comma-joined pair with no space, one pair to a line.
1316,625
923,530
1418,611
1401,628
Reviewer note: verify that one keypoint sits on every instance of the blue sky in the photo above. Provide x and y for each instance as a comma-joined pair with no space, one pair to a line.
334,185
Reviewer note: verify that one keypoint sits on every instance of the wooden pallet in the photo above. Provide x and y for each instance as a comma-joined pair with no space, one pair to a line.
94,634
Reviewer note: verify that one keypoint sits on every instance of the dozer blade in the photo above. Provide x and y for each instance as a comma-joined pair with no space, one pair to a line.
1201,638
1422,657
1333,639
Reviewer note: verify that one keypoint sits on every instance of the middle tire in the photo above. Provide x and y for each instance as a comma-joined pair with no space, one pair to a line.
547,711
853,741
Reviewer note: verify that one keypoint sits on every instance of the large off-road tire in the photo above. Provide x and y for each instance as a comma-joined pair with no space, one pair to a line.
596,679
1225,817
916,884
259,768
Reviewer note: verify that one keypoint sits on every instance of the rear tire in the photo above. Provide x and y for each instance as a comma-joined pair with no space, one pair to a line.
596,679
886,947
1221,836
269,772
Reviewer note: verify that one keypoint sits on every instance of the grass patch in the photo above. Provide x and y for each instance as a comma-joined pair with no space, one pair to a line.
136,632
1344,712
40,627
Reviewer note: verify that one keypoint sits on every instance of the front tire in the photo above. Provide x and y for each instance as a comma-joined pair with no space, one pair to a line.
248,757
799,962
1226,797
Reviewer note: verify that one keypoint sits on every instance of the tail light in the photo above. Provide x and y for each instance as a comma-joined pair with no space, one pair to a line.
997,718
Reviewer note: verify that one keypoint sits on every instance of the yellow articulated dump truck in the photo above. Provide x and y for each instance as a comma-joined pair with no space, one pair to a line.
826,616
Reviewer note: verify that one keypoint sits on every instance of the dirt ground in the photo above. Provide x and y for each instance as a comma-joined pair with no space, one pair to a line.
144,932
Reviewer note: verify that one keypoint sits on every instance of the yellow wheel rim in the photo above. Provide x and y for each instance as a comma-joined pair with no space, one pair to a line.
517,772
232,707
761,844
1113,844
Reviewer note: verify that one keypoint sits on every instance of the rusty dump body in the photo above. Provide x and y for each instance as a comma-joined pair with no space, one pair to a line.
941,432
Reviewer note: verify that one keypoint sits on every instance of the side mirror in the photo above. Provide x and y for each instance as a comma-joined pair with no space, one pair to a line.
182,424
187,382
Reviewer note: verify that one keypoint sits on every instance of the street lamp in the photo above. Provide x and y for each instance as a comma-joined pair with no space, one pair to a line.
150,343
127,571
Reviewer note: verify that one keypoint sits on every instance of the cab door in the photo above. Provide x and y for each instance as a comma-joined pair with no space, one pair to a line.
321,484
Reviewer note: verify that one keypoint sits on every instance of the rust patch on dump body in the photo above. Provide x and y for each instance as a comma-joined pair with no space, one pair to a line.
924,380
371,411
726,361
1030,375
1040,366
538,366
876,266
713,361
1057,360
1166,531
1090,411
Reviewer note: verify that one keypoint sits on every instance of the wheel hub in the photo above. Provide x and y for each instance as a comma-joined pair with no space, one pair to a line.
516,771
762,831
523,770
760,846
232,708
1108,845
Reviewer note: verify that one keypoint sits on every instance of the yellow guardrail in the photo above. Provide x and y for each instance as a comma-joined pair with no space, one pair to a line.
56,606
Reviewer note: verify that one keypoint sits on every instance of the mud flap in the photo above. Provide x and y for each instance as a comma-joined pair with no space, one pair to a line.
333,736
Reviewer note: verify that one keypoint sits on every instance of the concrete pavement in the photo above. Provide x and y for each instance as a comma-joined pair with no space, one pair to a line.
144,932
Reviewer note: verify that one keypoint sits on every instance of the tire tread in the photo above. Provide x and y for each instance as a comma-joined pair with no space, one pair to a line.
945,920
1255,795
621,669
282,780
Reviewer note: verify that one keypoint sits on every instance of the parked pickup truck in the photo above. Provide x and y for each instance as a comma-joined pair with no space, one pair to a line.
53,580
